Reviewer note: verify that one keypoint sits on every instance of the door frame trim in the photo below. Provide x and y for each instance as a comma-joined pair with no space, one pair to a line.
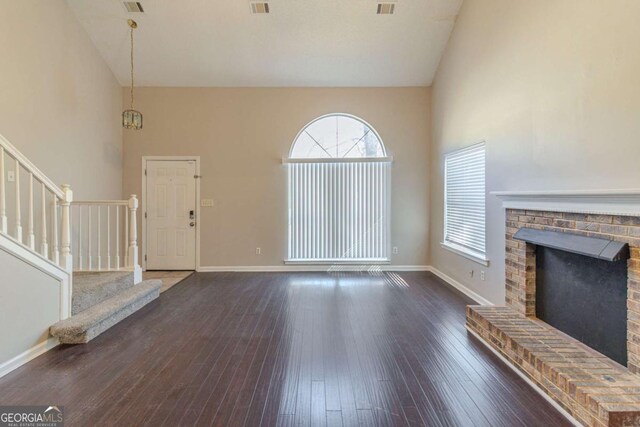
143,245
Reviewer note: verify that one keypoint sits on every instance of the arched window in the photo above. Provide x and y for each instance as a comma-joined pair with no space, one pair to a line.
337,136
339,193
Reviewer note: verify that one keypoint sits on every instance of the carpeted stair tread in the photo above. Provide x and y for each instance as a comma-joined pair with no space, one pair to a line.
90,289
85,326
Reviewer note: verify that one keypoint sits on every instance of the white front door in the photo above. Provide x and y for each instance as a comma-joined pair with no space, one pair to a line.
171,215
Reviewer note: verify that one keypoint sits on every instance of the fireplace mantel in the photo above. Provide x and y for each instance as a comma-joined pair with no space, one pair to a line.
624,202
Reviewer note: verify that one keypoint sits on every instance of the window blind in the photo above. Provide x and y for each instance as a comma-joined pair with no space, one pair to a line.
339,211
465,200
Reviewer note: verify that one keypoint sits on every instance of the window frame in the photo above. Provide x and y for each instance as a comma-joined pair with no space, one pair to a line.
334,159
464,251
383,157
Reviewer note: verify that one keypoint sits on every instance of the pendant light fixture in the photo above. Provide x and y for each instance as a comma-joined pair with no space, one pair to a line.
132,119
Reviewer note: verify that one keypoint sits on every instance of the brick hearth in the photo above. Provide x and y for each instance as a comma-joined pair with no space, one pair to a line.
591,387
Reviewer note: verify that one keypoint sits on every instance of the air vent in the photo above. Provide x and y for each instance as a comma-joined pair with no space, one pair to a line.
386,8
133,6
259,7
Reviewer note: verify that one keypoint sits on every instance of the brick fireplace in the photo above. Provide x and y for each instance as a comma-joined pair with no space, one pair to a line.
592,388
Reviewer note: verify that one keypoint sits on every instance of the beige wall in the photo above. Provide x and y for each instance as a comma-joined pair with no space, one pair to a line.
29,304
60,106
553,87
242,136
59,102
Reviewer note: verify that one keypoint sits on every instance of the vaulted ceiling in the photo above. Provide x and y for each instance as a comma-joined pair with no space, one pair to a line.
202,43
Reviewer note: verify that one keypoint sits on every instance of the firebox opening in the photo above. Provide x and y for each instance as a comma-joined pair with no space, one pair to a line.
585,298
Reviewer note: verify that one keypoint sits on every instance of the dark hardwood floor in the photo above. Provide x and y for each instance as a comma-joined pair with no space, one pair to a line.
296,349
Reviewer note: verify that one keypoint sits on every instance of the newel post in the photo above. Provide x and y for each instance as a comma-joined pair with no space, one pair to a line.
133,239
66,259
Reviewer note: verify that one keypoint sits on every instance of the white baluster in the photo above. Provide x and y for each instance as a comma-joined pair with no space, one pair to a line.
117,237
18,235
54,230
3,205
108,238
126,236
45,246
99,248
133,239
31,235
80,258
89,253
65,233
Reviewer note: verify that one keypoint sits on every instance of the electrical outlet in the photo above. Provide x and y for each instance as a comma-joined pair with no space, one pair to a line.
258,251
482,277
11,176
395,250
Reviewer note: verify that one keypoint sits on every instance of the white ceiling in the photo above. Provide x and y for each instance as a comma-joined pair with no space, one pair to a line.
203,43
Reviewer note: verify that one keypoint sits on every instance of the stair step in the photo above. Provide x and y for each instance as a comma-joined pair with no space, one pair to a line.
90,289
85,326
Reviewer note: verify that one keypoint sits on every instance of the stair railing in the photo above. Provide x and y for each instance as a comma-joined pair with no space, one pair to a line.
106,235
48,226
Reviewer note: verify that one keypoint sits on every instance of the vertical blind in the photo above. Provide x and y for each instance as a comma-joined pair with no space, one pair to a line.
339,210
465,199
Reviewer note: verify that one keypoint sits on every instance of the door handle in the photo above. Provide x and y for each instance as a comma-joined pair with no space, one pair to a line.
192,224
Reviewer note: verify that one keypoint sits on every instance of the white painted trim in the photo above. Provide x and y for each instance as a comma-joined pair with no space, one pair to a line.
30,167
362,267
287,160
35,260
101,202
527,380
466,253
143,243
309,268
104,270
605,202
459,286
381,261
27,356
32,257
351,116
355,268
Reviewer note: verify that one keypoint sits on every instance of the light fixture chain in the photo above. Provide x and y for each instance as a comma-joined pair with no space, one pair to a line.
131,67
132,119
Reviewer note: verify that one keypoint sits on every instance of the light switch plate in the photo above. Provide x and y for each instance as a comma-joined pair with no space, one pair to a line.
11,176
206,203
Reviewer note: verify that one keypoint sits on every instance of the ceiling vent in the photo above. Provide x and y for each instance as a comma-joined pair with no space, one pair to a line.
258,7
386,8
133,6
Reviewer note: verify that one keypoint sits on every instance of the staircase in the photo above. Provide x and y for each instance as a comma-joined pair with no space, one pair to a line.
100,300
74,263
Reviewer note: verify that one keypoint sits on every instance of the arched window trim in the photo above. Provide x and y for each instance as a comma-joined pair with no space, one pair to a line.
339,208
384,156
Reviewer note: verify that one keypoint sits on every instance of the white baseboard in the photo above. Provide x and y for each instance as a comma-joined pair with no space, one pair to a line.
319,268
527,380
459,286
309,268
28,355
